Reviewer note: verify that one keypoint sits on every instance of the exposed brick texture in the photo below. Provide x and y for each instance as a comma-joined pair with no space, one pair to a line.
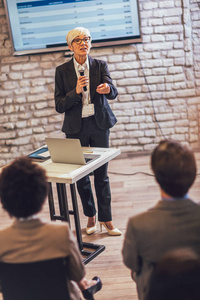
169,56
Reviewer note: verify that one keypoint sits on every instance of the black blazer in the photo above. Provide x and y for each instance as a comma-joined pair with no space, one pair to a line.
69,102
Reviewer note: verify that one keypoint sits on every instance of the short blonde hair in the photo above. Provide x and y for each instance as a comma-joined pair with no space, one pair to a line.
72,34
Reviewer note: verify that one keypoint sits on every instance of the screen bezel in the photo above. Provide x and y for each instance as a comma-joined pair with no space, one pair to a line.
65,48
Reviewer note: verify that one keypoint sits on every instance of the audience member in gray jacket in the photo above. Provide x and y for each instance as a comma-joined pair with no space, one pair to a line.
174,222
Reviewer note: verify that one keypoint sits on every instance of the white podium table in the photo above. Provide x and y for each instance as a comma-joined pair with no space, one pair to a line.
63,174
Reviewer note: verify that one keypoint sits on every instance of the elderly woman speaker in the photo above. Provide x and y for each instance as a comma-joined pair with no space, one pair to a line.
83,87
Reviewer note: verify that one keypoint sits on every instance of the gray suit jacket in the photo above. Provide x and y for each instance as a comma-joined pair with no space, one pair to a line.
70,103
35,240
168,225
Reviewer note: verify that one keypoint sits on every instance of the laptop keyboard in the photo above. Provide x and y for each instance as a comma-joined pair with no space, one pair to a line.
87,159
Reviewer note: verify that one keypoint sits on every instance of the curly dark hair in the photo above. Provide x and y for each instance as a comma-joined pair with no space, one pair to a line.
174,167
23,188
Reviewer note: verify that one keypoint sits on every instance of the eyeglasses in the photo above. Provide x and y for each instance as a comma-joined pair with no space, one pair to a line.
79,41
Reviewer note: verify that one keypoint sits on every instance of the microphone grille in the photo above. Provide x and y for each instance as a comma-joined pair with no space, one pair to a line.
81,68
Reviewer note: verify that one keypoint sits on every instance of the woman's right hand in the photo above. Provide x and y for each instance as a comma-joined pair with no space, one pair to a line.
81,82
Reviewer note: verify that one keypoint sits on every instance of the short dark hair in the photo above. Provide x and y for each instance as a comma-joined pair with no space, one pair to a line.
23,187
174,167
176,276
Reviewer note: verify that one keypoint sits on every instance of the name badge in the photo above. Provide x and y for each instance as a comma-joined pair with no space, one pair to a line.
87,110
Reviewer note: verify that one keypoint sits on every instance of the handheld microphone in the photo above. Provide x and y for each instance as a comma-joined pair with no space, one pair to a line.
81,70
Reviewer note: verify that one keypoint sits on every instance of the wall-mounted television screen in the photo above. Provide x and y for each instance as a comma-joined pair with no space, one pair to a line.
38,26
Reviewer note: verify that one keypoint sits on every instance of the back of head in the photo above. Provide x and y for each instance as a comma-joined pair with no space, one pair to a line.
174,167
72,34
23,188
176,277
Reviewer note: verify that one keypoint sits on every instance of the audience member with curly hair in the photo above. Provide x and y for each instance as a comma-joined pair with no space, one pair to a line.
23,191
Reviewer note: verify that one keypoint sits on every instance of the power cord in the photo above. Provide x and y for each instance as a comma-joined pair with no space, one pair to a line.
132,174
154,113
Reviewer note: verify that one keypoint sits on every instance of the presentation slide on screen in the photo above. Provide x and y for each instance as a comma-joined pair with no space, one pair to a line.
42,24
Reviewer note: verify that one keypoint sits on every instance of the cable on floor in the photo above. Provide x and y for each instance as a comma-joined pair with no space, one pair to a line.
135,173
130,174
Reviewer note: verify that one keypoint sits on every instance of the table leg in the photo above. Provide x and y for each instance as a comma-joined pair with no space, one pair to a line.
64,216
96,249
76,216
51,202
62,200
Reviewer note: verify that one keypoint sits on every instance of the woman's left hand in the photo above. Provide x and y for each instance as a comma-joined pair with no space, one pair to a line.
103,88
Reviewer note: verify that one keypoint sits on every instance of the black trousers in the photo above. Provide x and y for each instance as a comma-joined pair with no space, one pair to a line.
91,135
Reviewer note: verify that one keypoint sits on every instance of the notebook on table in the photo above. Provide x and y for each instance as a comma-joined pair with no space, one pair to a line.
40,154
69,151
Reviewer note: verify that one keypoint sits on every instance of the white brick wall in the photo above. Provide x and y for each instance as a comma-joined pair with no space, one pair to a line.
170,60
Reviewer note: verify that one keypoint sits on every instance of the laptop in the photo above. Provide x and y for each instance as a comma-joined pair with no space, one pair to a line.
69,151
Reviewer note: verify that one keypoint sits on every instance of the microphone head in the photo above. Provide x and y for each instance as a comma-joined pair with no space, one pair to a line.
81,69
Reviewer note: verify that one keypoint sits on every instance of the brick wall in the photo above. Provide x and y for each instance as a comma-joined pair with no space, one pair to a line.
169,93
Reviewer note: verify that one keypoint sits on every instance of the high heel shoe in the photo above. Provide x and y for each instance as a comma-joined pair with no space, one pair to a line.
110,231
91,230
